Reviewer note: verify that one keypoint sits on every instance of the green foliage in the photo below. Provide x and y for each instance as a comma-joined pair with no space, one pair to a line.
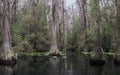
106,31
34,53
75,37
40,54
31,32
105,18
72,37
108,34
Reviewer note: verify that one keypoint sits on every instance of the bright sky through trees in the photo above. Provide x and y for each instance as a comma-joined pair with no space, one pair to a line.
69,2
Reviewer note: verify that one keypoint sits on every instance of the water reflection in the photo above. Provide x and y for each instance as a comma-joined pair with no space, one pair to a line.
5,70
55,66
72,65
33,66
59,66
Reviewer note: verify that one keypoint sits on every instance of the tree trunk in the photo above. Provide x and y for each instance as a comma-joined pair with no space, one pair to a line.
117,57
83,23
54,22
0,15
97,49
64,26
6,53
13,8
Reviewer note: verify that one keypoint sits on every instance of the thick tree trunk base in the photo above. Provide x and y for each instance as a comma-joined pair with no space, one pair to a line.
54,51
97,56
96,62
8,62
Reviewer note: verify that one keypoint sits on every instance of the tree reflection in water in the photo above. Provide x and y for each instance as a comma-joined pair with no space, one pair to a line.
71,65
6,70
59,66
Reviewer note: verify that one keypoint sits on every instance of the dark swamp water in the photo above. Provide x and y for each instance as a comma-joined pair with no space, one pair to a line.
71,65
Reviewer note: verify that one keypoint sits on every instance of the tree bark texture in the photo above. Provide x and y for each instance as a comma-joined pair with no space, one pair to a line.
54,22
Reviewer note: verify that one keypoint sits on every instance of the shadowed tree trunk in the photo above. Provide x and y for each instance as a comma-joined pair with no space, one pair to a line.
64,40
97,49
83,23
0,14
6,53
62,27
13,10
54,22
117,2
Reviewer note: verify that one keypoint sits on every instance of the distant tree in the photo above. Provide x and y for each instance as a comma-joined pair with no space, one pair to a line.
13,11
64,26
0,14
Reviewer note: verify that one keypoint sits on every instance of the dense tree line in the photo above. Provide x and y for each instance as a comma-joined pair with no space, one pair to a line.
50,25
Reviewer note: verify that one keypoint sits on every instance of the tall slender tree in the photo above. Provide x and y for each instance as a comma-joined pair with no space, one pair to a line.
64,41
0,14
97,48
83,23
117,2
54,22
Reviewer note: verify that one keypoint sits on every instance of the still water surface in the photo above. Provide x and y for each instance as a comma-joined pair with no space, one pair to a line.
71,65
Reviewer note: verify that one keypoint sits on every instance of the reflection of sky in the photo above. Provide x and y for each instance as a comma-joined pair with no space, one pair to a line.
69,2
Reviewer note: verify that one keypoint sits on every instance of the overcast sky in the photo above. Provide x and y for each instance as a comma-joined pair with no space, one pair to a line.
70,2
